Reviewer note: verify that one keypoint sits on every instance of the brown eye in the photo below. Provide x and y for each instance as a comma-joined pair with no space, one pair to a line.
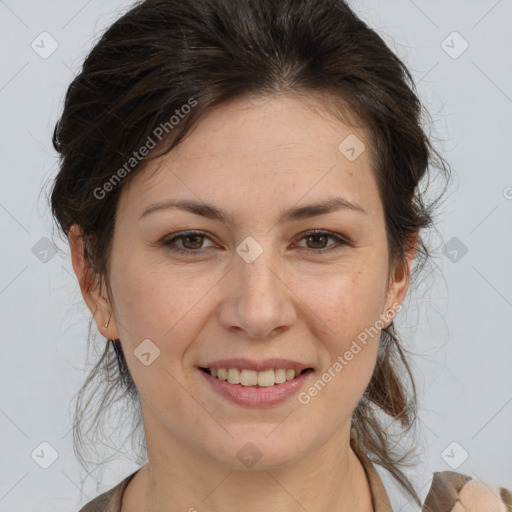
191,242
317,241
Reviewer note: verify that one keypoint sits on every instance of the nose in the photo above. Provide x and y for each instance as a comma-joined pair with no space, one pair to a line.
258,302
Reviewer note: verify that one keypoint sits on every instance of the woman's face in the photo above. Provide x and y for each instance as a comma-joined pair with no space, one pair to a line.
254,285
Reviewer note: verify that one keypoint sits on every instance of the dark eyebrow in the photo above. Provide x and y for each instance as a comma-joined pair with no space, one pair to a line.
221,215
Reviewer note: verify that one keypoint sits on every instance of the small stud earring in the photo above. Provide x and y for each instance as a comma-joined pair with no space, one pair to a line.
106,325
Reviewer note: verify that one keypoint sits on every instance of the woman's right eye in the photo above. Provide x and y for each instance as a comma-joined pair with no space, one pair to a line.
193,239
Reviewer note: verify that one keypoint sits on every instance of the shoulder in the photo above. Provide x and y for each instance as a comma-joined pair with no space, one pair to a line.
456,492
109,501
101,503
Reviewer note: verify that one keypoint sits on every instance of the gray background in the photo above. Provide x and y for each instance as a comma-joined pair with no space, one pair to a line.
458,321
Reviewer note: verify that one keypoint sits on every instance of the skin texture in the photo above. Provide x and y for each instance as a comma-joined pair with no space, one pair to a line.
254,157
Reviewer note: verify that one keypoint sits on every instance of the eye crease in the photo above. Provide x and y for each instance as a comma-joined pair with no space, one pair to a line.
169,243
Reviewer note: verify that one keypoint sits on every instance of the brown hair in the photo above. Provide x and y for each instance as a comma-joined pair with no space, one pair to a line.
164,54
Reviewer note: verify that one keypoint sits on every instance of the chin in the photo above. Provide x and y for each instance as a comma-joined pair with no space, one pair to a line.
257,452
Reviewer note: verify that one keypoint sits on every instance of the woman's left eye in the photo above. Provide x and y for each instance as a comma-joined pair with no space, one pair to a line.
195,239
324,235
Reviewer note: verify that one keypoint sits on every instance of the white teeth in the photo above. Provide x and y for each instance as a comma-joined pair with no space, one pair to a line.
248,378
266,378
234,376
290,374
280,376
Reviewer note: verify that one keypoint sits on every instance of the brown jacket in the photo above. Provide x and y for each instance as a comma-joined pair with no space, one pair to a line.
449,492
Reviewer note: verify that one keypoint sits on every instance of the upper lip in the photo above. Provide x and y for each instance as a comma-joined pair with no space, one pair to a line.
259,366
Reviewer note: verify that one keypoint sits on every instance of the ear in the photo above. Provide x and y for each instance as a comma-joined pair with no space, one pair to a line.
400,278
96,301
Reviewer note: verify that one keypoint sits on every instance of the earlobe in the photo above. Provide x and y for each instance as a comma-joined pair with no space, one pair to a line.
96,302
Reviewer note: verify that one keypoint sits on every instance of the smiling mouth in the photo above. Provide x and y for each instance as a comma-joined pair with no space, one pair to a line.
253,378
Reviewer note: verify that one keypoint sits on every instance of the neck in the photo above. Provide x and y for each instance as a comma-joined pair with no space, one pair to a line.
178,478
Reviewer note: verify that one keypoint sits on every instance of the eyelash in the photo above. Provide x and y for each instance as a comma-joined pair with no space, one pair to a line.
339,242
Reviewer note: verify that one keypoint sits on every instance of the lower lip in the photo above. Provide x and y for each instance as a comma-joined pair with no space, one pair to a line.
253,396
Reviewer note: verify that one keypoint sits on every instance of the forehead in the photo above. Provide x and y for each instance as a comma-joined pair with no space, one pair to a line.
282,146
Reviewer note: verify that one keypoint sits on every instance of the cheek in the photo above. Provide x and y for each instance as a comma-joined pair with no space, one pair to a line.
345,314
150,309
162,303
137,303
346,302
